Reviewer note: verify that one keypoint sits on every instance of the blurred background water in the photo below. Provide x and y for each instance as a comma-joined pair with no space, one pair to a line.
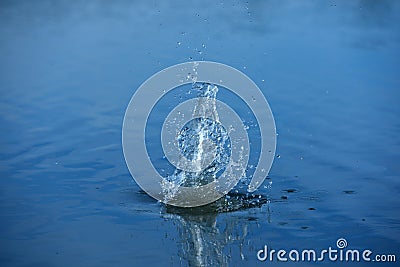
329,69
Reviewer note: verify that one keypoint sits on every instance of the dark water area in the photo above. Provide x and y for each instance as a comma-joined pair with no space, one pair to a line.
329,70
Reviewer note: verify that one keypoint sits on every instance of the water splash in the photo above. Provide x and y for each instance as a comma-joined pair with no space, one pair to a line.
200,139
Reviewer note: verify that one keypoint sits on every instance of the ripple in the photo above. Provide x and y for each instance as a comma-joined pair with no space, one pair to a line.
230,203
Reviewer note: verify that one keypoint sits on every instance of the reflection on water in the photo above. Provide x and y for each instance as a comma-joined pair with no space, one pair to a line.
203,240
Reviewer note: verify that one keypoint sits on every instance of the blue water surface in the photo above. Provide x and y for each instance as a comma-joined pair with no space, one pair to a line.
330,72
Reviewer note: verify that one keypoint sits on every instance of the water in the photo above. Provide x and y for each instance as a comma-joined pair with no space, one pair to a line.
328,69
201,140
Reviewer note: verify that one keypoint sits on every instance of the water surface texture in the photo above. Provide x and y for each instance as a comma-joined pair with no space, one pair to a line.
330,72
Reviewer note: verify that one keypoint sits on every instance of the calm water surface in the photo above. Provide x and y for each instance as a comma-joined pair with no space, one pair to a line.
329,69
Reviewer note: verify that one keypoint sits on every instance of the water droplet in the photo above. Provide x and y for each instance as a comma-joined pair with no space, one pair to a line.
291,190
278,156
